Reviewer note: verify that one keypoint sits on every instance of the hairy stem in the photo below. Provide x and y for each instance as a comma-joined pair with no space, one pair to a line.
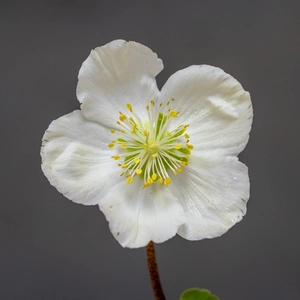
153,270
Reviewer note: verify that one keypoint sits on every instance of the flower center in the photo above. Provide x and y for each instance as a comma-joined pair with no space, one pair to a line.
147,148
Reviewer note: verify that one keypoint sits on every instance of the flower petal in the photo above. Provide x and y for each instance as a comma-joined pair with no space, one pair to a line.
76,160
137,216
214,193
116,74
215,105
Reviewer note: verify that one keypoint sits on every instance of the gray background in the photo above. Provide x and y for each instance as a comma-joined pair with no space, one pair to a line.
54,249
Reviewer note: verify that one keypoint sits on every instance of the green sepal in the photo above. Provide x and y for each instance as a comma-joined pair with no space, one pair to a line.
197,294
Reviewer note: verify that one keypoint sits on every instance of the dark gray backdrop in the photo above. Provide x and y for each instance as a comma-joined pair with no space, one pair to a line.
54,249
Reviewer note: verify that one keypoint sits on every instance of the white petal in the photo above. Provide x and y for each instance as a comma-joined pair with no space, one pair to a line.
76,159
116,74
137,216
215,105
214,193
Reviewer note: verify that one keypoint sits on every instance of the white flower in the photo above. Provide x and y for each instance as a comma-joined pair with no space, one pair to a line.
156,162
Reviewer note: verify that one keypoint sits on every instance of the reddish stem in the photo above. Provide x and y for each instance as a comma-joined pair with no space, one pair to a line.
153,270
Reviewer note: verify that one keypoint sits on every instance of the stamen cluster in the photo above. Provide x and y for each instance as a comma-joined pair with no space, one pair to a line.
148,149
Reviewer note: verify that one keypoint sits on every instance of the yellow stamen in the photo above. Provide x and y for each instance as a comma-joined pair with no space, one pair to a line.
136,160
111,145
129,179
167,181
154,176
177,146
138,171
189,146
174,113
122,117
123,146
149,181
186,136
112,131
133,129
129,107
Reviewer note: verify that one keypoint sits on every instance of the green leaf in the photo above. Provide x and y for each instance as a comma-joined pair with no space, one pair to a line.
197,294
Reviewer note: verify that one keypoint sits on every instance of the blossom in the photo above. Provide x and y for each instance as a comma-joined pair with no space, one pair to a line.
158,163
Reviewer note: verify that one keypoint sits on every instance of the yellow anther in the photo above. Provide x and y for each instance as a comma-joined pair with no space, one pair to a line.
169,133
112,131
124,166
129,107
118,123
167,181
122,130
173,98
133,129
150,181
122,174
136,160
145,133
154,176
160,180
116,157
138,171
177,146
186,136
183,163
174,113
147,107
152,102
119,165
122,117
179,170
186,126
128,175
175,173
160,104
167,104
111,145
123,146
189,146
129,179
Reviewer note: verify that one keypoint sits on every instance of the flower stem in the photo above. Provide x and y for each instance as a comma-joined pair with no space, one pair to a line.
153,270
